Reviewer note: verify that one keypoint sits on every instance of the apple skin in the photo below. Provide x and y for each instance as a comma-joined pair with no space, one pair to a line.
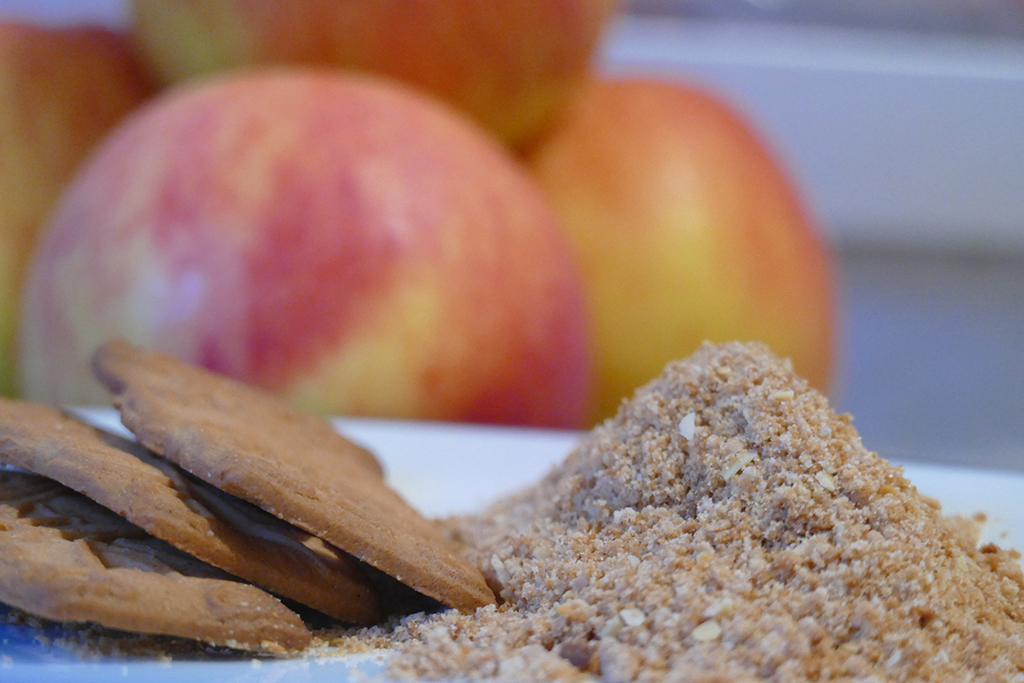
511,64
687,227
61,91
339,240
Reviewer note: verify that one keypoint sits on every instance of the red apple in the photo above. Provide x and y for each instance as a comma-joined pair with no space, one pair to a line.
511,64
687,228
339,240
61,90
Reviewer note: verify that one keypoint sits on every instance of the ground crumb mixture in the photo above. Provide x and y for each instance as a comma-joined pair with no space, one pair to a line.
725,526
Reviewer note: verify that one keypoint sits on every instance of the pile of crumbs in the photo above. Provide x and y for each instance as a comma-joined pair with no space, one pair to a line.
726,525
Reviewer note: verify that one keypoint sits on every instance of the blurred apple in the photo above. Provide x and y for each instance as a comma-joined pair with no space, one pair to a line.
510,64
687,228
61,90
339,240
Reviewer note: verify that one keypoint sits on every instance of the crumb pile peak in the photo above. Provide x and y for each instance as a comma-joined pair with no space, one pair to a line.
730,425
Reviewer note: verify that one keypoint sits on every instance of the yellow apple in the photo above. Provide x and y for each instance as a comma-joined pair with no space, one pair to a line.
511,64
61,90
687,227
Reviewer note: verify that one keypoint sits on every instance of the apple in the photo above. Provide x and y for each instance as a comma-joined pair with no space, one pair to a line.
511,64
61,90
687,227
339,240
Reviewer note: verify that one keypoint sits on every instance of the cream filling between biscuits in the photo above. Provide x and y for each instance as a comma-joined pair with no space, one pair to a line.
257,523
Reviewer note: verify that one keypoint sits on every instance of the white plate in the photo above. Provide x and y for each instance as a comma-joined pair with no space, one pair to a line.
443,469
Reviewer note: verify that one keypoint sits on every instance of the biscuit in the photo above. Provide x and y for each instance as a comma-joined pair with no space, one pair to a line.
65,558
189,514
231,437
208,401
